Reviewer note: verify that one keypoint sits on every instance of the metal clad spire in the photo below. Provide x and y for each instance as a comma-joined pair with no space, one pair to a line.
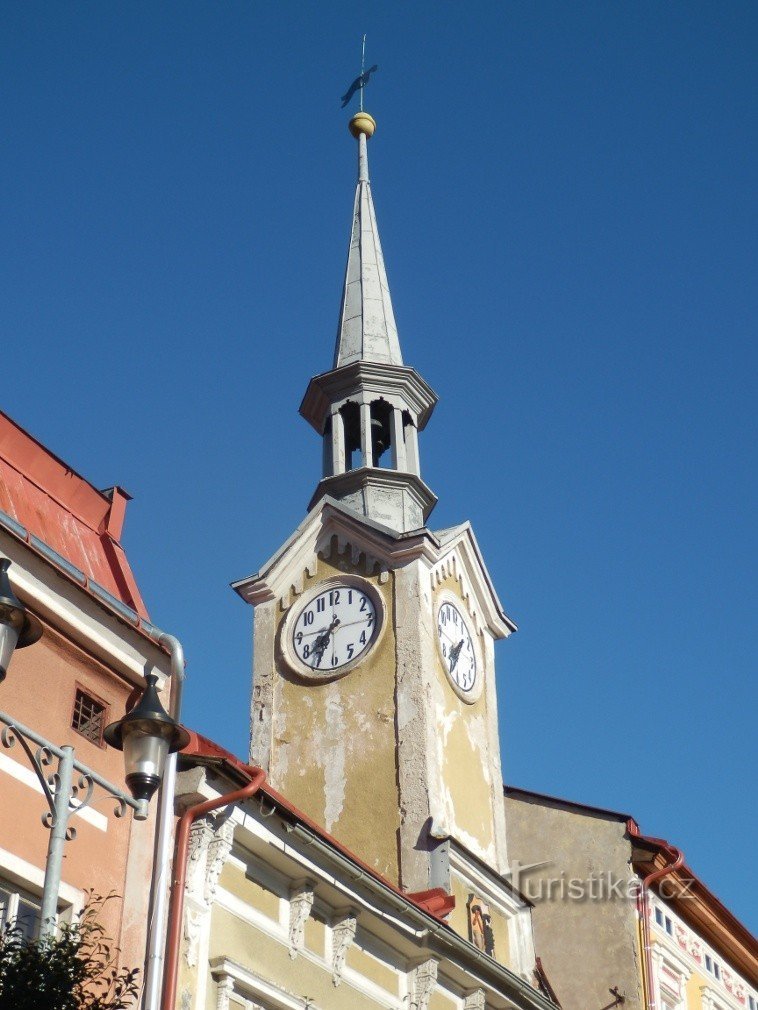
367,330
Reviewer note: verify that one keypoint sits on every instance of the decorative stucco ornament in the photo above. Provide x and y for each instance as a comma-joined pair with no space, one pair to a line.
343,934
301,903
424,981
475,1000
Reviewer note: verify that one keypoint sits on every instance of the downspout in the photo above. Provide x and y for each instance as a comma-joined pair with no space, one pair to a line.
159,882
643,911
179,876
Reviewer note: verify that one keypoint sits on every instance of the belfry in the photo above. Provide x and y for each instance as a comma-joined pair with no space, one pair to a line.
370,407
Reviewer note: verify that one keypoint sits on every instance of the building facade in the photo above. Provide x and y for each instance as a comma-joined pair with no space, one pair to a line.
63,538
618,914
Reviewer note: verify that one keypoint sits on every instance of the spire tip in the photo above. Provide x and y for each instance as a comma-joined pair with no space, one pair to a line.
362,123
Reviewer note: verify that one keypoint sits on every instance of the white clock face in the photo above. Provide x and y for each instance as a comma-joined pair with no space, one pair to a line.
335,628
457,647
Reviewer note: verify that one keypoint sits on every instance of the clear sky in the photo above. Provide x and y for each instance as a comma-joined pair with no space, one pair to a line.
566,197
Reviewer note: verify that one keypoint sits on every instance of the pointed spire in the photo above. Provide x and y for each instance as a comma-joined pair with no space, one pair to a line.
367,329
370,407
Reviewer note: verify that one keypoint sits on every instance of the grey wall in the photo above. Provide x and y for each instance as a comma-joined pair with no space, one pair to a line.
586,945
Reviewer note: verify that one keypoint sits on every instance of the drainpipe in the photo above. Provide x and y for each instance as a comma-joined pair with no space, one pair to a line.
643,910
179,876
159,882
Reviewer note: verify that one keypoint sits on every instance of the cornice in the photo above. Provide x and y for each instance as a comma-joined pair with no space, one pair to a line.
369,377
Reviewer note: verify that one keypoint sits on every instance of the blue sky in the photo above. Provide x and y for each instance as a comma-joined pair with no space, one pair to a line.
566,197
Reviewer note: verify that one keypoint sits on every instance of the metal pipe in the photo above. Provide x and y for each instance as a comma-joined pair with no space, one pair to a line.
179,875
643,910
56,844
159,883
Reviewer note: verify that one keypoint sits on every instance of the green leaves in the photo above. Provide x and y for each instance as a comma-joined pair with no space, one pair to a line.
75,970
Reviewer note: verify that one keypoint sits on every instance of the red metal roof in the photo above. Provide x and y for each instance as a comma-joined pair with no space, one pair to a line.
61,508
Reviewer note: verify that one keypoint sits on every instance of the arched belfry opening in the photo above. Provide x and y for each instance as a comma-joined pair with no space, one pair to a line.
381,435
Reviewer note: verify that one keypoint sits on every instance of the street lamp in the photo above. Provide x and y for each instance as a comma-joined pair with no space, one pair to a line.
18,628
146,735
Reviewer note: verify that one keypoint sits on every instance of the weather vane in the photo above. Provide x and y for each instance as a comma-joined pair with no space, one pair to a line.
360,81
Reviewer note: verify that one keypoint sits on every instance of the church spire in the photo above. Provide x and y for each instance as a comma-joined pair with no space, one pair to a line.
367,329
370,407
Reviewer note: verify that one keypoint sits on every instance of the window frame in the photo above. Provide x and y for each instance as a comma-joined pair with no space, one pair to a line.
79,687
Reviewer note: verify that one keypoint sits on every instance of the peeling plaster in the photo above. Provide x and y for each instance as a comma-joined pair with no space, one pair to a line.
333,757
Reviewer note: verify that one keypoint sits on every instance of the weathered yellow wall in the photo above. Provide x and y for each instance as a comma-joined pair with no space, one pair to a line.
237,940
694,995
463,744
371,968
234,880
334,743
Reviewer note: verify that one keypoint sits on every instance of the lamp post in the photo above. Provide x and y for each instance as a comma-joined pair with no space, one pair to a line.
147,735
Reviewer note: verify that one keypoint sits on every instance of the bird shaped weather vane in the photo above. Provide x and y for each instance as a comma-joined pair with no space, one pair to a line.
360,81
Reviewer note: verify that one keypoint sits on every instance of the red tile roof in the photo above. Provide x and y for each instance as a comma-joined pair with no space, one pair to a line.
54,503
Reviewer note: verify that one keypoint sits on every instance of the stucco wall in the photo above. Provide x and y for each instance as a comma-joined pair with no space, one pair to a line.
586,945
333,743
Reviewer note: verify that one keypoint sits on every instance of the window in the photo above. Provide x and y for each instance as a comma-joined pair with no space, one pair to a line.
669,926
708,963
659,916
89,717
716,970
19,909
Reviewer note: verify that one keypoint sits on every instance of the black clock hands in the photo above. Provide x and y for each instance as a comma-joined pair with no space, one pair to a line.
319,646
454,654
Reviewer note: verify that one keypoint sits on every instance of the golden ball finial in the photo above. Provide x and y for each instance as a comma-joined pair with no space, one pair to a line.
362,123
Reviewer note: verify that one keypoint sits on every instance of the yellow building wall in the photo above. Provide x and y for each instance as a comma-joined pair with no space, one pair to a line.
236,939
463,743
334,750
694,995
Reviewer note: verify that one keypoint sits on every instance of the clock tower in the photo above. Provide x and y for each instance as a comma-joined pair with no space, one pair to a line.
374,705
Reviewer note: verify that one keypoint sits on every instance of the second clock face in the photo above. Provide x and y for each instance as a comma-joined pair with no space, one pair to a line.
335,628
457,647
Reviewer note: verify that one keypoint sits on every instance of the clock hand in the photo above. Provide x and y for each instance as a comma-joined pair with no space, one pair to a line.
454,654
319,646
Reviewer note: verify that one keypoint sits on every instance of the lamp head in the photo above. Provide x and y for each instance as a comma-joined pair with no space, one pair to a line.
18,628
146,735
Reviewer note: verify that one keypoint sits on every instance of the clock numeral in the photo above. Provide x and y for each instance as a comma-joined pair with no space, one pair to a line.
334,597
299,637
370,620
335,660
350,596
350,651
306,651
308,617
363,603
362,639
320,605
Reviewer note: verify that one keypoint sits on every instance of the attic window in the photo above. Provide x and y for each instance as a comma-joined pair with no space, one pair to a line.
89,717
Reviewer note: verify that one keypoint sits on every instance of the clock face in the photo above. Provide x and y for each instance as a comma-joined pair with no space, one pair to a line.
335,628
457,648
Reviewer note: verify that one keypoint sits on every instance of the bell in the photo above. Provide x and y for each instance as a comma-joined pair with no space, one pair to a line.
379,437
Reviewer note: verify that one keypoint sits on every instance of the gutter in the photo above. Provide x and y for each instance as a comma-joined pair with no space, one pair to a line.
501,978
159,879
643,907
179,876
